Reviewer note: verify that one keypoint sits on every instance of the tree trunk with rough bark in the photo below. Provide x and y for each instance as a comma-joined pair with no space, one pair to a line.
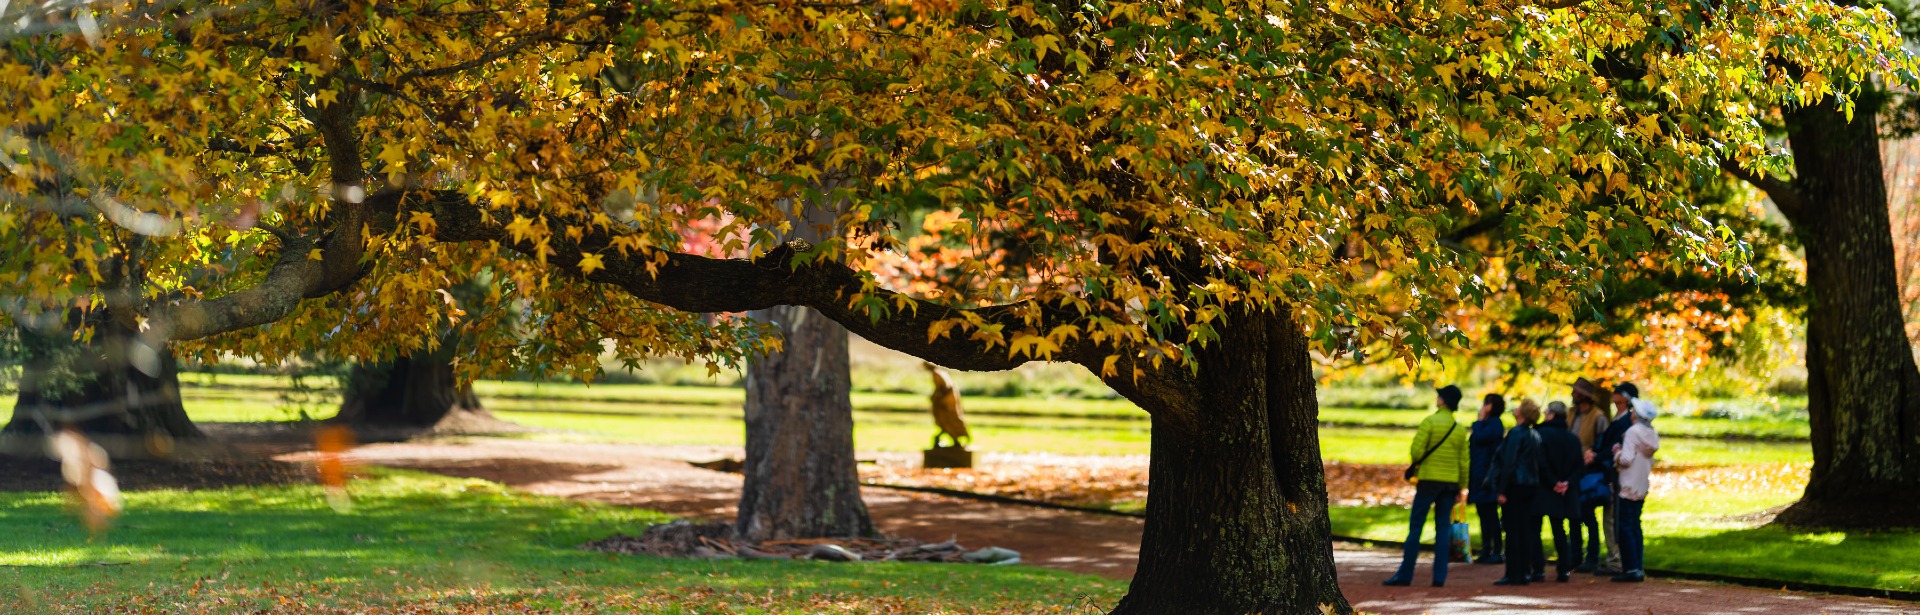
1237,505
1863,394
801,478
117,384
413,391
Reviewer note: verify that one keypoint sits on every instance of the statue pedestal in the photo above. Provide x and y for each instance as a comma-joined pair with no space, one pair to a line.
947,457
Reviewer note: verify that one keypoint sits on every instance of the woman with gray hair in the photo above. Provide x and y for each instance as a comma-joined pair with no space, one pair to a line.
1634,456
1515,475
1561,465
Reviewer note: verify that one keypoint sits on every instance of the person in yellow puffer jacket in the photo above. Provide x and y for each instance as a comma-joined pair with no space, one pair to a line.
1439,455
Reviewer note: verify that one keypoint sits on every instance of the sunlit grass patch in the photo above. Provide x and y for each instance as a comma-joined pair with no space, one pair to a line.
421,543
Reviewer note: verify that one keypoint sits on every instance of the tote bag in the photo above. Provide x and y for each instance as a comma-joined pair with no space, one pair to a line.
1460,539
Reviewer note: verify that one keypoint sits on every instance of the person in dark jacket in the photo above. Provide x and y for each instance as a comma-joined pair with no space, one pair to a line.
1515,475
1601,460
1562,462
1484,441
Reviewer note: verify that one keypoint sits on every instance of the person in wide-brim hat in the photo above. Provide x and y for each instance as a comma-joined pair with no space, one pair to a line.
1583,388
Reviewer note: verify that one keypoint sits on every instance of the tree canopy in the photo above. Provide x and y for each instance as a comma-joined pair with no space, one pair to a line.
330,170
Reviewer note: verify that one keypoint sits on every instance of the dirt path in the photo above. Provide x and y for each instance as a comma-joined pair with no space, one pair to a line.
659,478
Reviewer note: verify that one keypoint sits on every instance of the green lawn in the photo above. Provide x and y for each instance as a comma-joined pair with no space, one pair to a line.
655,414
1341,407
1691,528
414,541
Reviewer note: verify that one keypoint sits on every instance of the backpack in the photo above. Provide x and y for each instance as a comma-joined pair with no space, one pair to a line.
1594,490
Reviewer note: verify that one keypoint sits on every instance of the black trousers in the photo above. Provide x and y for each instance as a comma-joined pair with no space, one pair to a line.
1523,534
1590,517
1566,543
1491,542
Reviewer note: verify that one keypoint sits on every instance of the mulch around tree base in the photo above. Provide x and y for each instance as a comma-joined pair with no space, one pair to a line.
42,474
687,539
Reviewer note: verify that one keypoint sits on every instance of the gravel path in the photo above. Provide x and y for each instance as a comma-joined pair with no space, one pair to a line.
660,478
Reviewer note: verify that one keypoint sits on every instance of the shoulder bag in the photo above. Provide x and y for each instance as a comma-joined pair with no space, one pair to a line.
1415,468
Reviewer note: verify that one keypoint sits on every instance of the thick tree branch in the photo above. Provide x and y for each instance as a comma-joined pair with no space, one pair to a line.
296,274
342,246
701,284
1784,195
292,277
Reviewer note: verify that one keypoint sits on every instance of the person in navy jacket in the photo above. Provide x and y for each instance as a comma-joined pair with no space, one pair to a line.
1483,441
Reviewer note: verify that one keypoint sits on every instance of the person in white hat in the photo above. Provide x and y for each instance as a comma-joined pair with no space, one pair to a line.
1634,457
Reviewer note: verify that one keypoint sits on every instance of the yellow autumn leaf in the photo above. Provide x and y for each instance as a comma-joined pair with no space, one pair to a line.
590,263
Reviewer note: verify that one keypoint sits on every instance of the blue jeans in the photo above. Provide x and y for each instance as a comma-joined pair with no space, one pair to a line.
1633,543
1440,497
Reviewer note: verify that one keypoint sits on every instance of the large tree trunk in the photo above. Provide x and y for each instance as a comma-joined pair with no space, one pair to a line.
801,478
413,391
1237,508
1863,388
117,384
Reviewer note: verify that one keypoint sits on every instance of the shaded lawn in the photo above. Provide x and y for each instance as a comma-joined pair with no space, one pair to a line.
416,541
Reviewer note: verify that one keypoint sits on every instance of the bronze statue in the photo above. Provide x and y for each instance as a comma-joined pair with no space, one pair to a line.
946,415
946,408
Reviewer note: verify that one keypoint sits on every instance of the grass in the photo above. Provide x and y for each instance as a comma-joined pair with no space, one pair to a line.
255,388
421,543
658,414
1691,527
1341,405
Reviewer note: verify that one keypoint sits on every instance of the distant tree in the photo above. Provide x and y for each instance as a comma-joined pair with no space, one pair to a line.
1863,386
421,387
419,390
800,477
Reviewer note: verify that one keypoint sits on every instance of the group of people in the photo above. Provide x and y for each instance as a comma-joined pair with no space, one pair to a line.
1583,469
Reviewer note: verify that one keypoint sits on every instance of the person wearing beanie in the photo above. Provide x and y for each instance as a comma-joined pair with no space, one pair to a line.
1482,444
1601,460
1634,457
1439,455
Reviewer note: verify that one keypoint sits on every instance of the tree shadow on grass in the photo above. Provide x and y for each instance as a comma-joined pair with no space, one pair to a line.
1887,560
43,474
